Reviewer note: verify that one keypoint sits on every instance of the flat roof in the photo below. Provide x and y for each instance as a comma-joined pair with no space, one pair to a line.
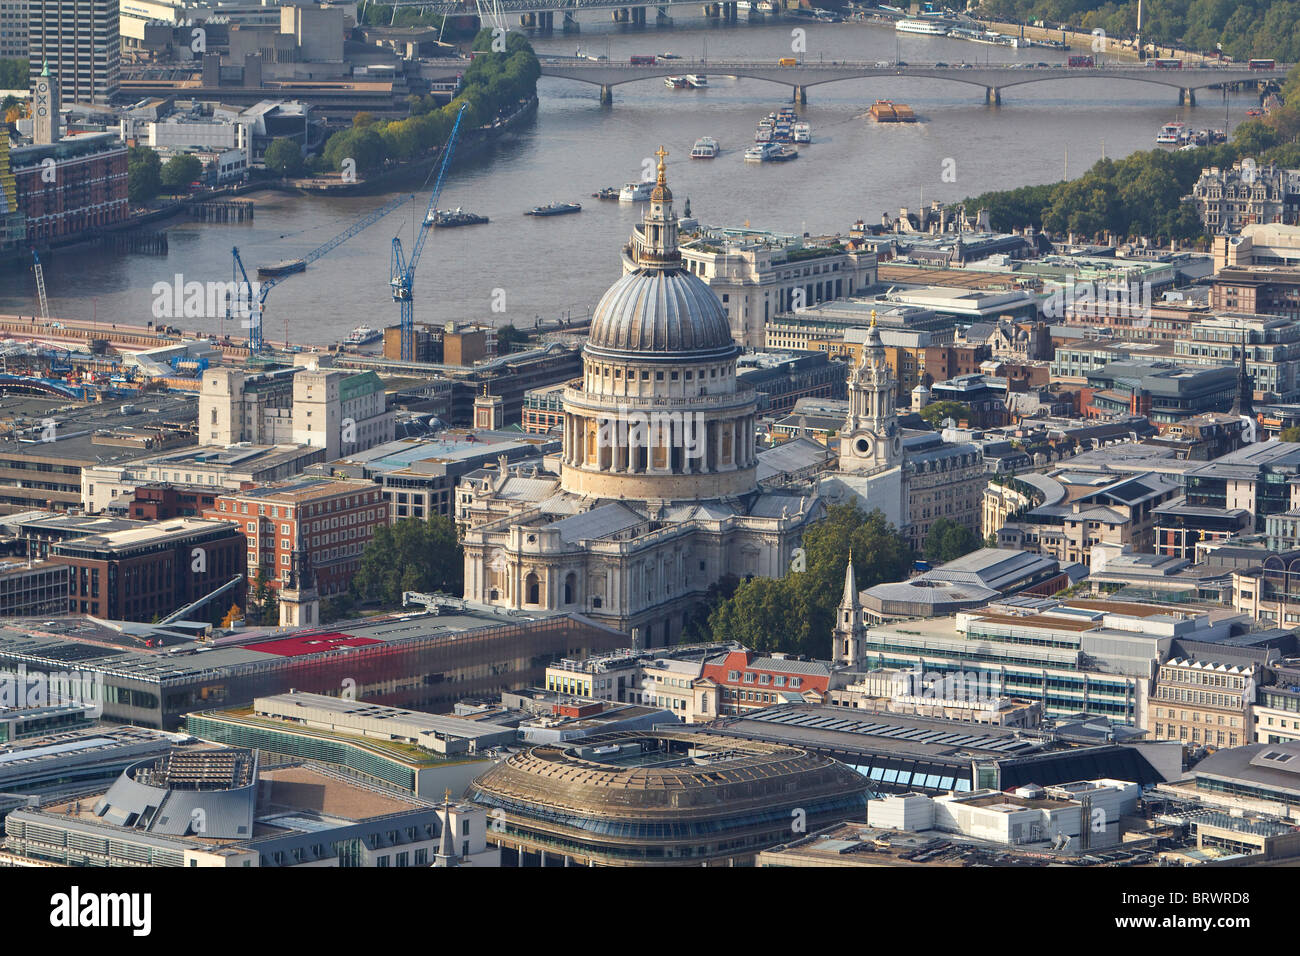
841,728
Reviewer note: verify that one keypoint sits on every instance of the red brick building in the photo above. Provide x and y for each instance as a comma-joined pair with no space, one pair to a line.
147,571
325,522
75,185
160,502
748,680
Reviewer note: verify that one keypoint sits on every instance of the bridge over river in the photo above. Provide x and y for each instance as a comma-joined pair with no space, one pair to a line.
992,78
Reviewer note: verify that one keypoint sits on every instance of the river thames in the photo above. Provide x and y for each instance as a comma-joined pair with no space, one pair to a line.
552,266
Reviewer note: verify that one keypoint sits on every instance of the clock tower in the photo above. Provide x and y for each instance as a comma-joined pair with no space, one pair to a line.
45,108
871,439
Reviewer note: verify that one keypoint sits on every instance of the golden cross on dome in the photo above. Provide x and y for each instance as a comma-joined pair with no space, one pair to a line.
873,318
661,153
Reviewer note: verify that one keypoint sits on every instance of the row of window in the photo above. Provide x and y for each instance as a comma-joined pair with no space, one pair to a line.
776,680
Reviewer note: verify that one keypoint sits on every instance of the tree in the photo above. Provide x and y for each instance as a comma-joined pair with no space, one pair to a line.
263,603
13,74
1289,434
337,608
935,413
284,157
143,174
796,613
696,628
411,555
948,541
181,170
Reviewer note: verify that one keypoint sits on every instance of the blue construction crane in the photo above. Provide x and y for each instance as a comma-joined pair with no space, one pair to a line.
250,300
402,272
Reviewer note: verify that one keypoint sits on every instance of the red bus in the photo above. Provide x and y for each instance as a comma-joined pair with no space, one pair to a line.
1167,64
1262,64
1082,61
643,61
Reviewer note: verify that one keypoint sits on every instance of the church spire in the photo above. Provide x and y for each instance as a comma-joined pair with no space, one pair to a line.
850,585
1244,402
446,855
846,639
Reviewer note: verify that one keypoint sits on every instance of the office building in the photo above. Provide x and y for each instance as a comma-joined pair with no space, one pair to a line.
223,809
759,275
1263,478
1204,694
149,570
315,527
1245,194
41,466
970,581
33,588
904,754
417,477
219,467
424,661
662,799
13,29
80,41
341,412
1076,656
75,756
82,189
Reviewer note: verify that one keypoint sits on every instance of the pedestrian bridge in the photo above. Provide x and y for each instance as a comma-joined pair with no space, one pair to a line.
993,78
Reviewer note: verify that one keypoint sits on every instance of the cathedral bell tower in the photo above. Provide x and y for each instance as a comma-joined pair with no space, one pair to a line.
870,440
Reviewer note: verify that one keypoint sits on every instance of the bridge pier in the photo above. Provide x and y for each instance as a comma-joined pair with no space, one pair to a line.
712,10
618,15
548,22
729,11
800,95
638,16
1186,98
606,95
992,96
662,18
570,23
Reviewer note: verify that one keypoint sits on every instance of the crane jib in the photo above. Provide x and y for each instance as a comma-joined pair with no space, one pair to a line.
403,272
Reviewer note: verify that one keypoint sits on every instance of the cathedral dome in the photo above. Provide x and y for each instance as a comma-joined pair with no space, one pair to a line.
664,312
660,310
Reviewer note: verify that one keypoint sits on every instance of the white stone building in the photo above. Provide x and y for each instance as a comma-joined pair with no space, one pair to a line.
759,275
656,497
339,411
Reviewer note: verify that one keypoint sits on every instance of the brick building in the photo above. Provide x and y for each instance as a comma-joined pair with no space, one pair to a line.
747,680
321,522
160,502
544,409
145,570
75,185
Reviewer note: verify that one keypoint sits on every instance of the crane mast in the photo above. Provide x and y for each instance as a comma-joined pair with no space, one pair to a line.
250,299
402,270
40,287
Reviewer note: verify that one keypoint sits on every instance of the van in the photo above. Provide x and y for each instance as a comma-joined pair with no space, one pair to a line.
788,61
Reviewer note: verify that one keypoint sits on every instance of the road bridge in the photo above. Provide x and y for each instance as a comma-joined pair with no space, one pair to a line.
993,78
